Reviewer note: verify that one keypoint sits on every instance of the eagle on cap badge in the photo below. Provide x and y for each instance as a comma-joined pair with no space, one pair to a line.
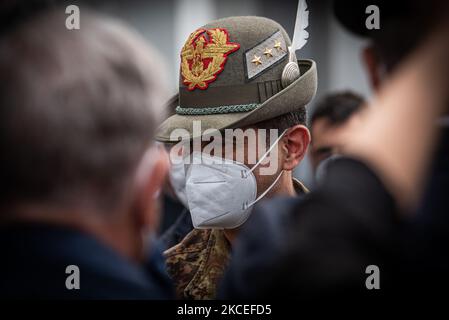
204,55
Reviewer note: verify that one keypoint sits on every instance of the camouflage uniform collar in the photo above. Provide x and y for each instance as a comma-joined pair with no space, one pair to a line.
197,263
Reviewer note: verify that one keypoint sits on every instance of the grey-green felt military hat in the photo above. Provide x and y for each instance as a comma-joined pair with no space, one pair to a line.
236,72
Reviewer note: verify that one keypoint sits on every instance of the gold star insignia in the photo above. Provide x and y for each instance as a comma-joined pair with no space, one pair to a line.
277,45
256,60
267,52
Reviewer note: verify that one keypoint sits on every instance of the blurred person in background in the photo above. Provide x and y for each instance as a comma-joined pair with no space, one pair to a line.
329,116
79,172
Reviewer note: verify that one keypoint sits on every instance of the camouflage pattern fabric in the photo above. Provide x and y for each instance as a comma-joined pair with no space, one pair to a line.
198,262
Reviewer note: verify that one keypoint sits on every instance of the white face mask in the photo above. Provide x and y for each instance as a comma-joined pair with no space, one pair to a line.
177,176
221,192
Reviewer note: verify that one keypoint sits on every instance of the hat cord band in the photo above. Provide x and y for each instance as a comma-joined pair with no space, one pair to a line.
216,110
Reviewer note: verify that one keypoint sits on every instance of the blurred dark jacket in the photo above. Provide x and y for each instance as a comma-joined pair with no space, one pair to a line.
172,210
425,238
317,245
35,257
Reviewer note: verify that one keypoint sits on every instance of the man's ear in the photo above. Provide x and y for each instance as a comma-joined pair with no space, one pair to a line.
294,146
149,182
371,62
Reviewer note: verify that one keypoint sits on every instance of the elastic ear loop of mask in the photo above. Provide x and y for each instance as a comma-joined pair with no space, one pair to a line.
245,173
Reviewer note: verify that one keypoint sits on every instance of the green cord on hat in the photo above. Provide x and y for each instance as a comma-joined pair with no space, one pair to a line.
217,110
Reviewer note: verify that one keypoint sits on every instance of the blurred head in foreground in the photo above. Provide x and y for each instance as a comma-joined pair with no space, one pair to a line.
78,111
403,24
329,116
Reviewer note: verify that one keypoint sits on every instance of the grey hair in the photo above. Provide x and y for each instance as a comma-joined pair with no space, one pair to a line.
78,109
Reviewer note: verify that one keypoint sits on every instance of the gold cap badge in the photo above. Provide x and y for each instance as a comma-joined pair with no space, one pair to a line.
204,55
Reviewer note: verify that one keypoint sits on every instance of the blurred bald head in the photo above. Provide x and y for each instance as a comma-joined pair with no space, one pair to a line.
78,109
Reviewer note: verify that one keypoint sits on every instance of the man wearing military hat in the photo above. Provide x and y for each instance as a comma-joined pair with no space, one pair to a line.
236,73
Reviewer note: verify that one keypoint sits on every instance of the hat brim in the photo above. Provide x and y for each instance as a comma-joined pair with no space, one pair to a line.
297,94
